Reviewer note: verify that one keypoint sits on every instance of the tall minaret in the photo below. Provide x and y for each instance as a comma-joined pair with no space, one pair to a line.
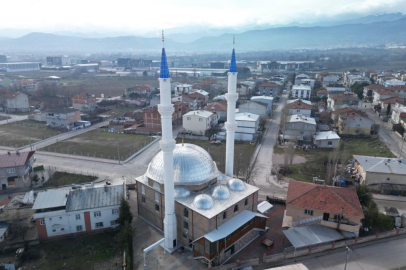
231,125
167,144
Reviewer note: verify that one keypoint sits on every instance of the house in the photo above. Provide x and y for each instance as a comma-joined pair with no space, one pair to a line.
152,117
368,93
333,207
309,82
354,122
269,89
26,84
254,107
85,209
301,91
336,88
183,89
52,80
326,139
220,108
384,103
84,102
61,117
299,107
398,112
300,127
330,79
299,77
140,90
15,169
383,94
393,82
199,94
247,126
265,100
4,230
351,79
342,101
198,122
398,89
386,175
17,102
322,93
243,89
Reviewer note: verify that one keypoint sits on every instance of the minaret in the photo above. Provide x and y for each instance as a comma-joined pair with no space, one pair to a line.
167,144
231,125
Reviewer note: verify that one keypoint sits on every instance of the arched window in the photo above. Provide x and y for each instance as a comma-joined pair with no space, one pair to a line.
235,208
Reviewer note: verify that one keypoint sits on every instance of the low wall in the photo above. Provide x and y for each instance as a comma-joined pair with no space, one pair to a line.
192,137
339,244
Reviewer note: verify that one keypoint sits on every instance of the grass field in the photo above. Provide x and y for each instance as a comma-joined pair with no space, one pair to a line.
242,153
316,157
63,179
97,251
101,144
20,133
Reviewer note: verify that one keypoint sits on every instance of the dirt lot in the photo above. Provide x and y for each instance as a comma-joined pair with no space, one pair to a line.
63,179
101,144
18,134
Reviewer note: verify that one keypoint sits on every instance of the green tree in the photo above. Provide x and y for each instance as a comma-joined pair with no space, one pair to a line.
125,213
384,223
364,195
125,240
388,109
324,98
358,89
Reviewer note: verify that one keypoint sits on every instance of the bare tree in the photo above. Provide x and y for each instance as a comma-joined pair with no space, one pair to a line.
334,158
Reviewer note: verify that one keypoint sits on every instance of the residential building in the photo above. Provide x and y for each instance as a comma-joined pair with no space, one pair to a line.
354,122
384,103
299,107
342,101
15,169
17,102
353,78
301,91
326,139
254,107
247,126
19,66
393,82
383,94
300,127
199,95
26,84
85,209
386,175
152,117
269,89
243,89
264,100
398,112
330,79
300,77
64,118
369,90
220,108
309,82
183,89
52,80
398,89
336,88
322,93
333,207
140,89
84,102
198,122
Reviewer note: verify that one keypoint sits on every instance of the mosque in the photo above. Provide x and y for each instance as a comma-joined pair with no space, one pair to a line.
185,195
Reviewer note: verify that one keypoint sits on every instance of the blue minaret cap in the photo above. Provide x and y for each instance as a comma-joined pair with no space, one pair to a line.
164,66
233,64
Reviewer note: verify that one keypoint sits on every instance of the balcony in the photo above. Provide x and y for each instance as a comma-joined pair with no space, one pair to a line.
345,225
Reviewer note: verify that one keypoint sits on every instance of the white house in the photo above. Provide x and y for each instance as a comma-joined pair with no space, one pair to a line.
327,139
398,112
393,82
299,107
300,127
383,94
330,79
298,78
309,82
264,99
198,122
247,126
17,102
301,91
254,107
63,212
183,89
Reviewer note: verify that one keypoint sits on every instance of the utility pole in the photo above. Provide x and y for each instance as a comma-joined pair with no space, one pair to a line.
118,152
29,136
346,258
401,149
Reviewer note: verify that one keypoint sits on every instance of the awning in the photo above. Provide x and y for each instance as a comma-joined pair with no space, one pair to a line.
264,206
230,226
313,235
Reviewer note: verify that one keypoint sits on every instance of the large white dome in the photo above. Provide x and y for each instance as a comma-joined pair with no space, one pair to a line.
192,165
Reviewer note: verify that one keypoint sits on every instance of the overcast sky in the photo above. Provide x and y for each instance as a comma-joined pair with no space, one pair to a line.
147,15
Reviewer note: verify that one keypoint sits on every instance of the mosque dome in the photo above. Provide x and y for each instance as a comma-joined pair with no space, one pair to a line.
181,192
236,184
203,202
192,166
221,193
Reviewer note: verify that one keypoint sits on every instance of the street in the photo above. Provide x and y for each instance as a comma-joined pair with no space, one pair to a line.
14,118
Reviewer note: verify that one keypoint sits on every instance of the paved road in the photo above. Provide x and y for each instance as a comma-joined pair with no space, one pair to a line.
384,255
263,178
14,118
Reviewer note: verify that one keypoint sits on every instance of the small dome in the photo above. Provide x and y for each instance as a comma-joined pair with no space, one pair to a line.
221,193
181,192
236,184
220,177
203,202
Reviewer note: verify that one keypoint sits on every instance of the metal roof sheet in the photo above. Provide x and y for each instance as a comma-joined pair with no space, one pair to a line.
264,206
382,164
51,199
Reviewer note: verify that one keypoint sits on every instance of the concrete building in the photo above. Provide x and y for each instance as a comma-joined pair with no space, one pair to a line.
219,108
369,90
393,82
52,80
15,170
398,113
17,102
383,94
84,68
198,122
269,89
299,107
247,126
342,101
386,175
330,79
336,88
301,91
254,107
333,207
300,77
326,139
264,100
86,209
58,60
19,66
84,102
300,128
183,89
309,82
354,122
61,118
27,84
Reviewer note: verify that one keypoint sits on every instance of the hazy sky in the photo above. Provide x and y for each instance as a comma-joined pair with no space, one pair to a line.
147,15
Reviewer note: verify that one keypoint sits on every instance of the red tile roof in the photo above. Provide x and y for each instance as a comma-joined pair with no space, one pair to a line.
298,105
216,106
349,111
374,87
268,84
386,92
324,198
393,100
14,159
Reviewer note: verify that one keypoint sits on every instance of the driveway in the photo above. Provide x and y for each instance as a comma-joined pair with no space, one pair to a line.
13,118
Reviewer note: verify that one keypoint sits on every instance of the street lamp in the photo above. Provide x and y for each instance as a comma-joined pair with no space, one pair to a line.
346,258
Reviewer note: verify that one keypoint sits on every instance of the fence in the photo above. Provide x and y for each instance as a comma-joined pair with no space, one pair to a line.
339,244
192,137
307,220
52,169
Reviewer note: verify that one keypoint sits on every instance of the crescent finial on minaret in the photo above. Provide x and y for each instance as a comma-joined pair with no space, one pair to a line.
233,40
163,38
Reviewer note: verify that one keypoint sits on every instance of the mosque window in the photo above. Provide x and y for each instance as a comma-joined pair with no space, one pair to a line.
143,199
156,207
156,196
143,189
185,225
235,208
186,213
224,215
246,201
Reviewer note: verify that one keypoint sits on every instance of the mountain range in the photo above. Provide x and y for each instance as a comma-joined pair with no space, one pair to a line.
356,33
